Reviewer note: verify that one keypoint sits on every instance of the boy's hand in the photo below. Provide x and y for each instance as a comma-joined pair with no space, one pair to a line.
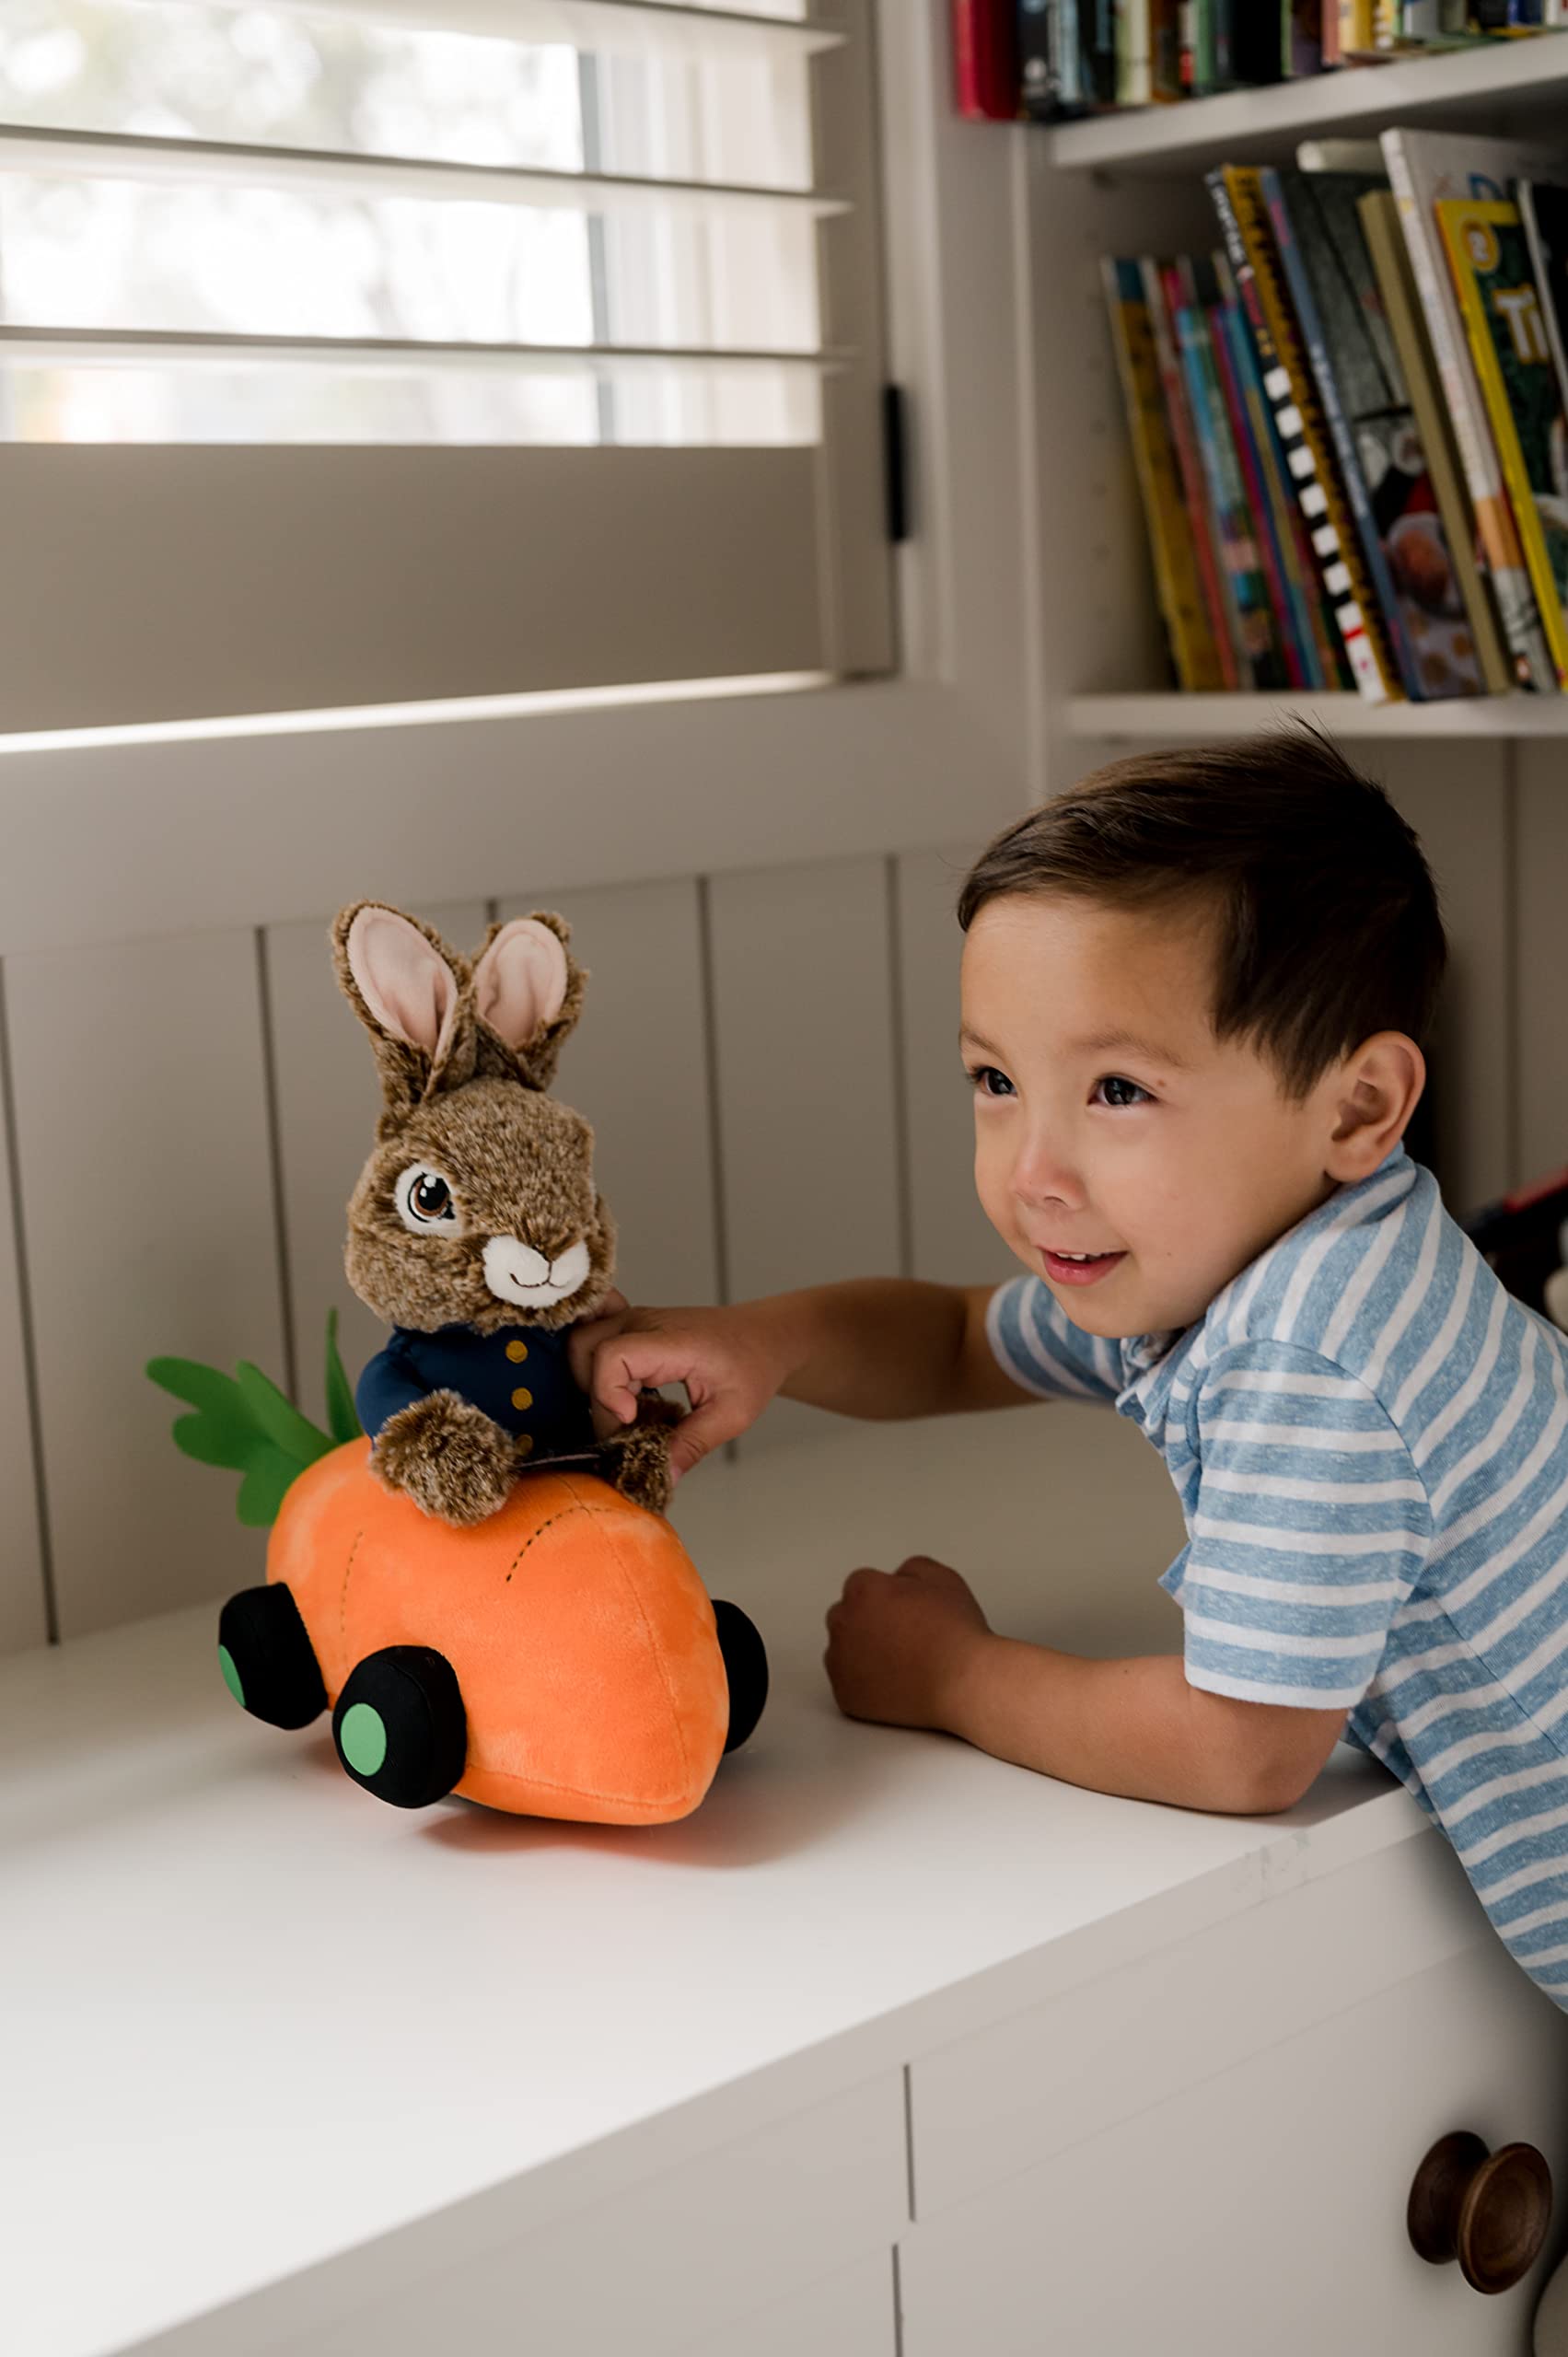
719,1354
894,1639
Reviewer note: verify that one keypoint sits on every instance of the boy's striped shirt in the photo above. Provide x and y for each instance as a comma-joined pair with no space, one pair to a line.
1369,1438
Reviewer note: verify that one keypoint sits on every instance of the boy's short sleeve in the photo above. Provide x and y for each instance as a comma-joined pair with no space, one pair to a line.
1036,1343
1311,1528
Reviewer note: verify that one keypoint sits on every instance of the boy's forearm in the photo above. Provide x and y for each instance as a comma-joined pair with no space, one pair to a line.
871,1346
1131,1727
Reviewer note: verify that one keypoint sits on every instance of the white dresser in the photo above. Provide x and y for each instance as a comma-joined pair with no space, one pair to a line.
892,2050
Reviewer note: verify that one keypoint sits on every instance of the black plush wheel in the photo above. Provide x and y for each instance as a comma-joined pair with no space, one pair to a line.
746,1667
266,1658
400,1727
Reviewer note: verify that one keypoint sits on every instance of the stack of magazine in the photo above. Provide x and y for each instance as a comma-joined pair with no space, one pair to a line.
1350,421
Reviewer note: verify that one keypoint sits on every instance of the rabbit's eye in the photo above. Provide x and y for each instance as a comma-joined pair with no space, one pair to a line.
424,1201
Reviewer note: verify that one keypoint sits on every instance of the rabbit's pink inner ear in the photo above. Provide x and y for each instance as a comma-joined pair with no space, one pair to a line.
520,983
407,985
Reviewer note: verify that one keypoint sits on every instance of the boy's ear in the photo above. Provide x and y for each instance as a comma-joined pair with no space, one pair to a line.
1377,1090
527,996
413,994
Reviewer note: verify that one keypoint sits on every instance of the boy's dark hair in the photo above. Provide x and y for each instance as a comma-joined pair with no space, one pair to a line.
1329,926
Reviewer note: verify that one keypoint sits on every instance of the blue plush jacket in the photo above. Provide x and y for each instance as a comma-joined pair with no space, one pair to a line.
521,1375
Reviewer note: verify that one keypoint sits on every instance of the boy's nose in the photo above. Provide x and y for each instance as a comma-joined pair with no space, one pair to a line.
1042,1176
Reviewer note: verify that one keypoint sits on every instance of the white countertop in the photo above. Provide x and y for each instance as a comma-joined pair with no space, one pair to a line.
251,2018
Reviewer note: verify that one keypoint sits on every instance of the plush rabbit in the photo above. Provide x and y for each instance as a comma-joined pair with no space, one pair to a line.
476,1230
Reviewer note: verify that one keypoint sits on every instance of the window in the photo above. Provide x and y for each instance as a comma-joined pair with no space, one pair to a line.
382,350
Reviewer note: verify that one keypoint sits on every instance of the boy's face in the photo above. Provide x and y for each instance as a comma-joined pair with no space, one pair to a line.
1180,1155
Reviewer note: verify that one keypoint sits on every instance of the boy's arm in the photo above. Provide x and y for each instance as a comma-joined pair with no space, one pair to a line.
912,1648
887,1347
1132,1727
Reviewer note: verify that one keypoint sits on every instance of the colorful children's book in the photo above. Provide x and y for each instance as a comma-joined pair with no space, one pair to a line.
1051,87
1465,594
1194,490
1544,212
1376,440
1491,263
1303,430
1424,167
1194,657
1262,465
1193,295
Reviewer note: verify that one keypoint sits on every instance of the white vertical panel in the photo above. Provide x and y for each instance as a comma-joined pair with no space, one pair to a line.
955,1243
1455,795
327,1098
23,1614
803,1017
636,1068
1542,953
146,1195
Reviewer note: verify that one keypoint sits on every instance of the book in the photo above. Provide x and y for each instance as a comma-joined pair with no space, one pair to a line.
1257,43
1193,295
1301,36
1051,86
1491,263
1340,156
1165,51
1287,379
1425,167
1292,580
1376,440
1223,321
985,58
1189,631
1544,212
1134,86
1401,307
1183,435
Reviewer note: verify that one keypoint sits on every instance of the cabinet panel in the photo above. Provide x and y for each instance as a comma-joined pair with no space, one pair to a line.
675,2262
637,1068
805,1057
23,1617
1541,947
1456,796
1265,2207
145,1172
954,1243
327,1098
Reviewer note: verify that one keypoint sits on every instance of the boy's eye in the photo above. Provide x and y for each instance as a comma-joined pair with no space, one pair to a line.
1114,1080
982,1074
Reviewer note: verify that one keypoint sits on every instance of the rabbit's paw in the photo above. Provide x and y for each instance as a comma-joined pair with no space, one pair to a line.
451,1458
637,1461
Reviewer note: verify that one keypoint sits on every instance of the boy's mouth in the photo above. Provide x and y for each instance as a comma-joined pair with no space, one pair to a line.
1085,1269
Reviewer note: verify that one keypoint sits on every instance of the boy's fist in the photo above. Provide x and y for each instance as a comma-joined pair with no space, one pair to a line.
894,1639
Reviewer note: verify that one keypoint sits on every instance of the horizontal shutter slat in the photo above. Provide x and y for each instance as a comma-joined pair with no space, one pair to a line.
168,583
645,26
67,345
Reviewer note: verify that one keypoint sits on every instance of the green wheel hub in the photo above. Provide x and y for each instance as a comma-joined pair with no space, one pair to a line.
231,1675
362,1738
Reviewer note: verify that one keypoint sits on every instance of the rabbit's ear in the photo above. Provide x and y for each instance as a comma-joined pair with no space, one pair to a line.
413,994
527,995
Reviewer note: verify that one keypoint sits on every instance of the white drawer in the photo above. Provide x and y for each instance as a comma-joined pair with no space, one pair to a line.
1008,2096
849,2315
1264,2208
670,2262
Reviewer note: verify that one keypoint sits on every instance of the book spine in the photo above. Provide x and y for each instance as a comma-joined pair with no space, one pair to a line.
1134,64
1249,589
1189,467
1453,218
985,66
1165,51
1301,36
1303,436
1310,323
1310,621
1224,327
1050,81
1355,20
1507,574
1172,541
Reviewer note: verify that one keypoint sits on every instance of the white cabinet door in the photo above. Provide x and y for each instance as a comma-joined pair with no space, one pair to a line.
1264,2208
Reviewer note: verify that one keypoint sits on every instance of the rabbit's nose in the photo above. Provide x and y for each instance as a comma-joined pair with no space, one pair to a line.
514,1271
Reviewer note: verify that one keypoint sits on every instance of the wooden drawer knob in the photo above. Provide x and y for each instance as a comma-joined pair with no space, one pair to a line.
1490,2213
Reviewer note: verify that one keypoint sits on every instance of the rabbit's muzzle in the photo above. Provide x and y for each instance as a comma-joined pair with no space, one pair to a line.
514,1271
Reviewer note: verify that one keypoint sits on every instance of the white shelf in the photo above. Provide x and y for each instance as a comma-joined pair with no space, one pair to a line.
1516,78
1150,717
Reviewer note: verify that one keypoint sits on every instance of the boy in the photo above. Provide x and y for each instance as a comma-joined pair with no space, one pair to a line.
1195,991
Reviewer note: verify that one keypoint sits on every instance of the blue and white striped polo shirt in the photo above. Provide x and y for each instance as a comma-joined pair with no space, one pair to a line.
1369,1438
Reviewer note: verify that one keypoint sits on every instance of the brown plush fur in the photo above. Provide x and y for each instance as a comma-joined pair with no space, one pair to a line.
519,1164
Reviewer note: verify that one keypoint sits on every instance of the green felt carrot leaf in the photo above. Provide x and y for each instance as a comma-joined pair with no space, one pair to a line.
244,1422
342,1418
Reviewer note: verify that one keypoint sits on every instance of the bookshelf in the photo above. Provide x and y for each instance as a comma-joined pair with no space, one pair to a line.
1521,87
1156,715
